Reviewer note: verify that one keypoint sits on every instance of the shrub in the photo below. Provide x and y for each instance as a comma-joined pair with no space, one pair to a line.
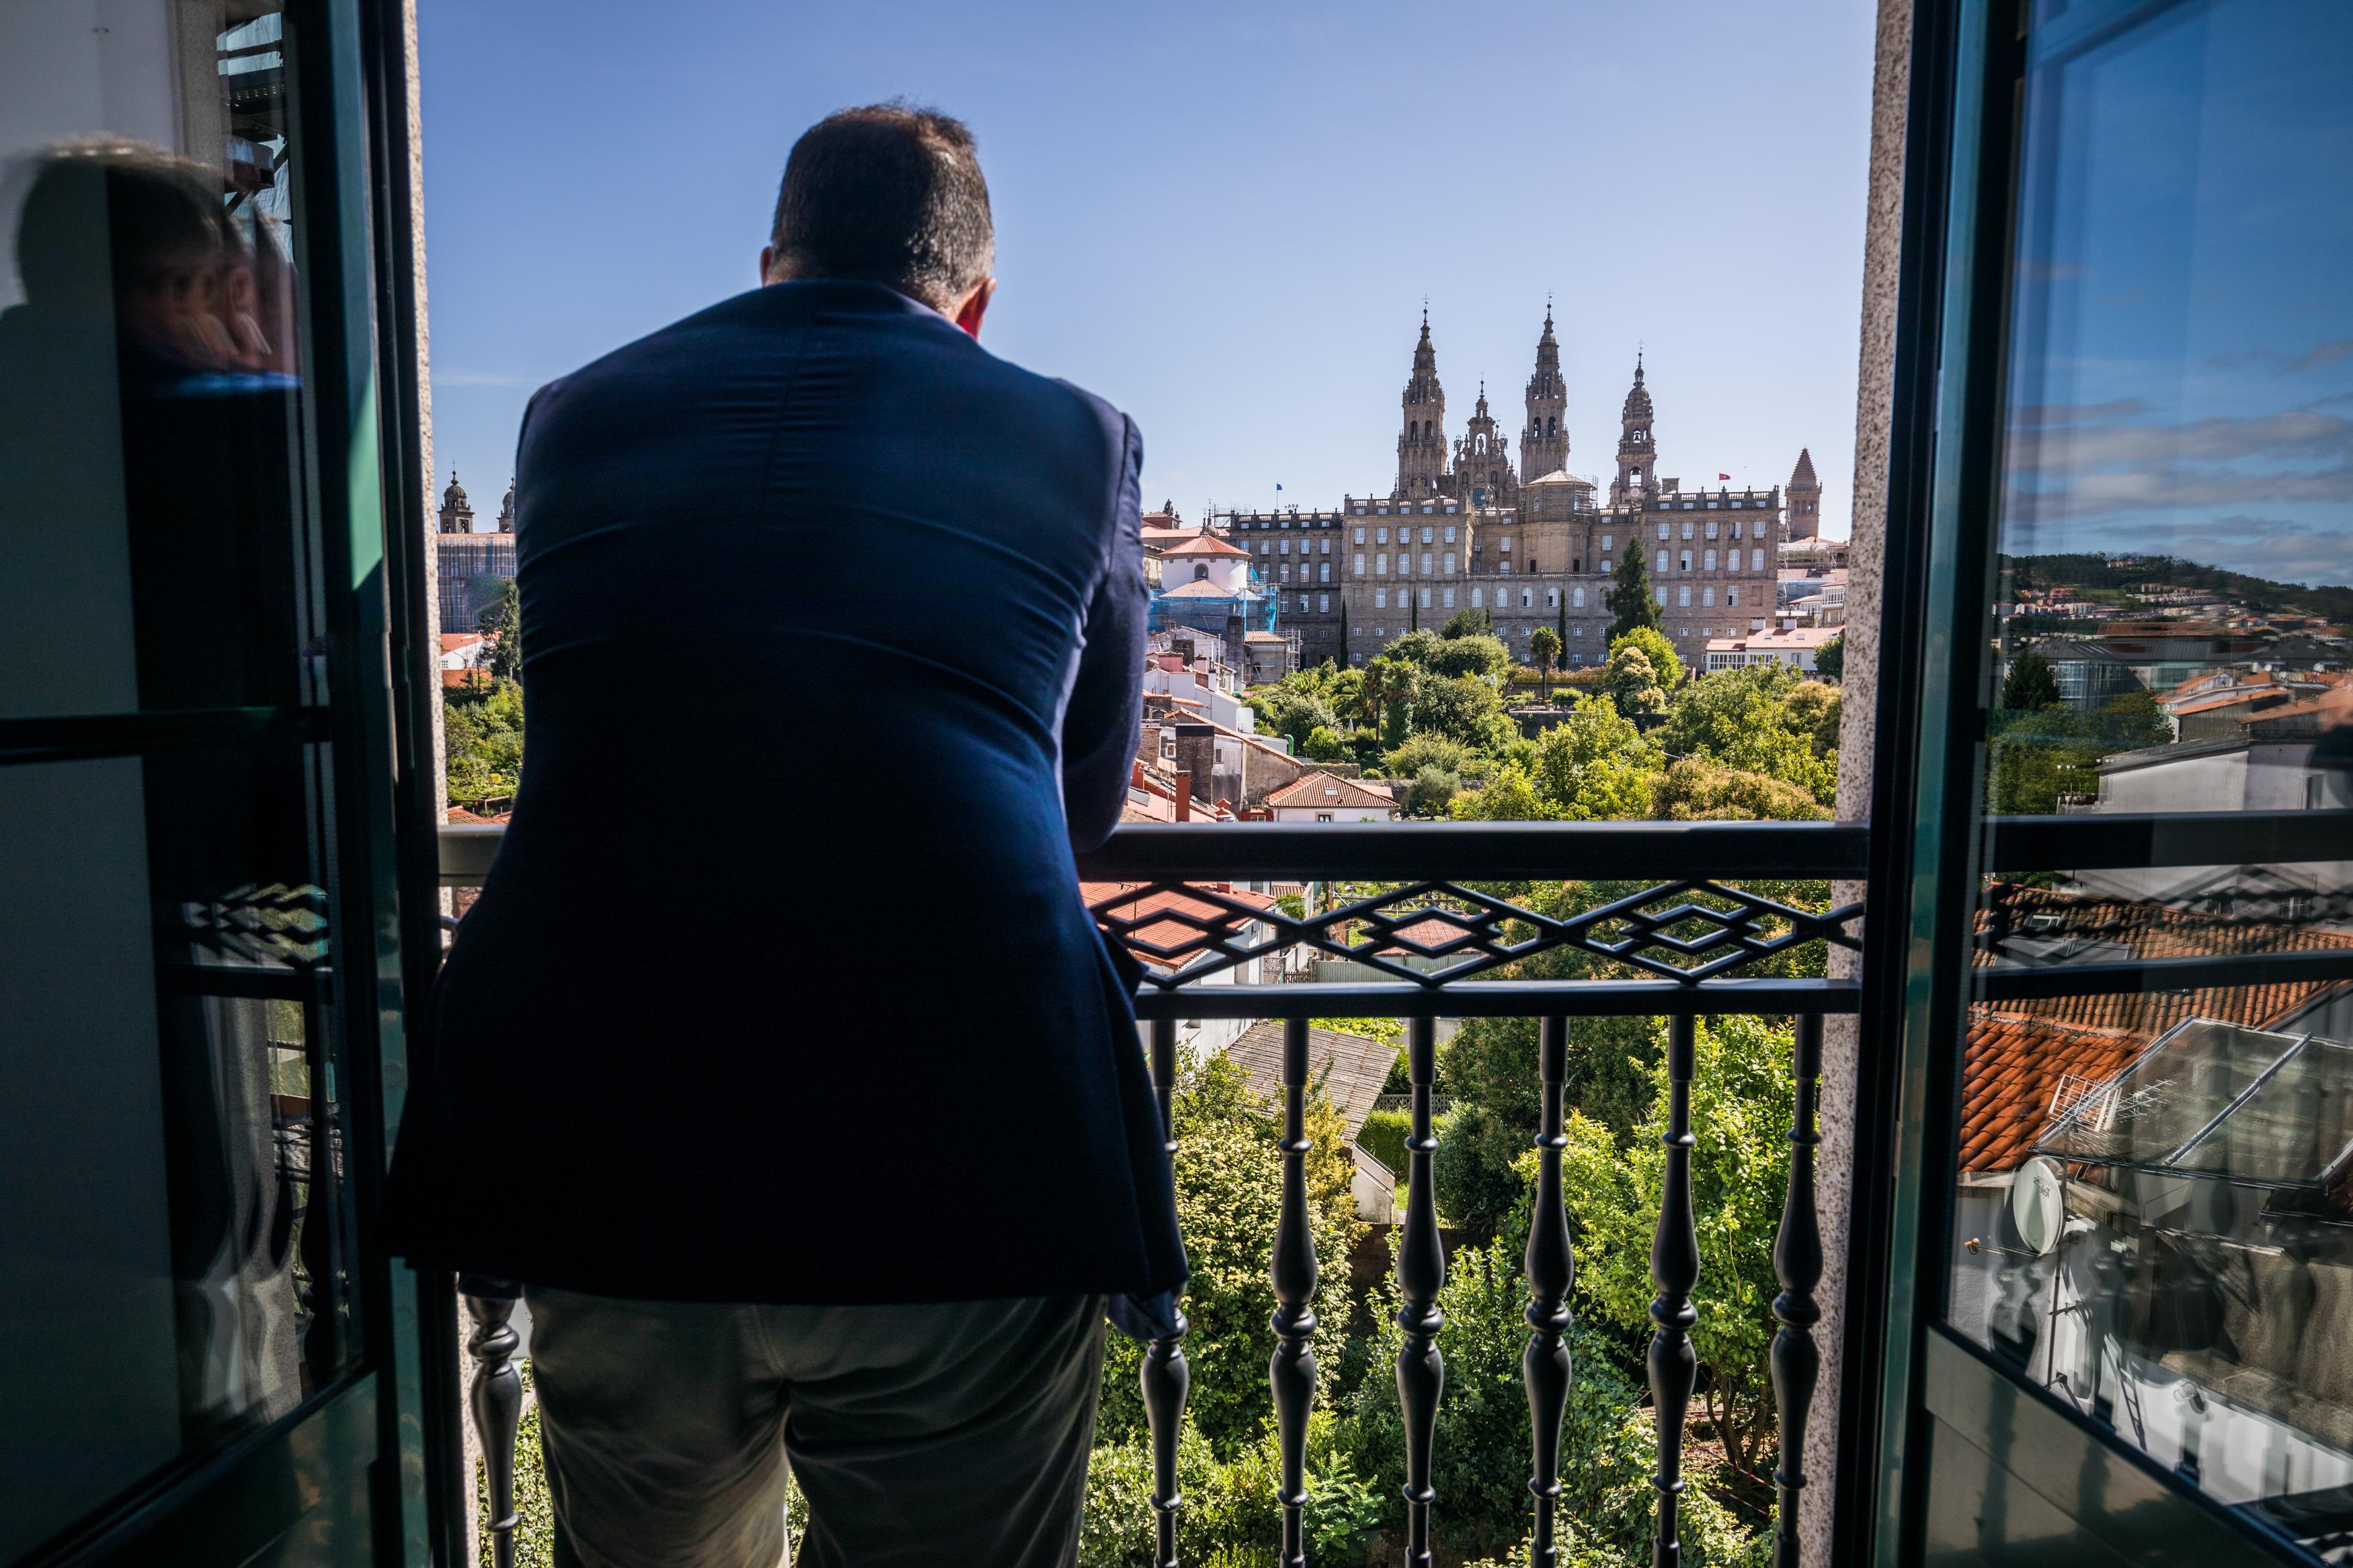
1433,789
1657,649
1383,1137
1485,657
1427,752
1692,789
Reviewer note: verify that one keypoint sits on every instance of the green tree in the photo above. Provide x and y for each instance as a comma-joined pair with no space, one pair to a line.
1815,709
1372,691
1741,1100
2029,684
1416,647
1469,623
482,733
1485,657
1323,744
1695,790
1433,789
1401,689
1427,752
1545,648
502,622
1829,659
1293,713
1463,708
1744,718
1228,1197
1633,681
1629,598
1662,652
1510,796
1607,1508
1594,738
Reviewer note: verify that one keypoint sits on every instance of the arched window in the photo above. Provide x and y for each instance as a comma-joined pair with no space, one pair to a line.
1200,571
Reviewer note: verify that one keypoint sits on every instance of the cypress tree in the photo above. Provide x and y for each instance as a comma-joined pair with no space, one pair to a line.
1631,599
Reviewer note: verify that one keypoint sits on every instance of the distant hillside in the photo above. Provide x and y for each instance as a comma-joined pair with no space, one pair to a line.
2093,576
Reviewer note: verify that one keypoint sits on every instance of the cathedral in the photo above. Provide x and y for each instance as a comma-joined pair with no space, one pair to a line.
1533,544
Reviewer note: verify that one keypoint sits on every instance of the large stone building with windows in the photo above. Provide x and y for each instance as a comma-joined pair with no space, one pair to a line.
473,566
1463,527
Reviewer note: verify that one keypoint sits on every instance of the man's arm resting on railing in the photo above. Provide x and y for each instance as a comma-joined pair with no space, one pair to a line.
1101,722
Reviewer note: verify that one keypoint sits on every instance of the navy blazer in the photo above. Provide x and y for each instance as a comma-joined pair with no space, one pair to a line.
780,988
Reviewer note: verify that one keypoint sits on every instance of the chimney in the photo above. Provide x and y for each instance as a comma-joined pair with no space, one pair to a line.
1183,795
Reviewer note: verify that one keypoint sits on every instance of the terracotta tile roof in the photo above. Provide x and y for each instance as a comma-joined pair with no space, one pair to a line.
2145,932
2012,1066
1204,544
1319,789
2018,1055
1353,1070
1175,936
1202,588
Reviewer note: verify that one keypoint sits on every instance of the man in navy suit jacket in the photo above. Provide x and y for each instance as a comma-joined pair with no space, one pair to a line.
780,1058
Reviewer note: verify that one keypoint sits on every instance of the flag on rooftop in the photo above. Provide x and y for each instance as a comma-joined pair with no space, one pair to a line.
1724,475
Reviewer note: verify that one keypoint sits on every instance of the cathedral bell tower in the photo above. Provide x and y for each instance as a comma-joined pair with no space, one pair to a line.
1544,442
456,512
1804,495
1482,463
1638,450
1421,445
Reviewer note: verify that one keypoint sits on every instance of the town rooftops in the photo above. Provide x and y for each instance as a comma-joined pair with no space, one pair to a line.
1317,790
1202,588
1352,1069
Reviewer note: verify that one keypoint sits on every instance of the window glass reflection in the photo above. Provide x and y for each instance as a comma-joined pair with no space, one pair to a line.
2154,1216
174,1253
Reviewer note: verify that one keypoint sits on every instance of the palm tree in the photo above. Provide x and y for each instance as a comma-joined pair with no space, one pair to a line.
1401,684
1373,690
1544,647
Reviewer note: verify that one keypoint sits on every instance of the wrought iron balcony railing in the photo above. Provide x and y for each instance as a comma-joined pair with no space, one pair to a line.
1425,893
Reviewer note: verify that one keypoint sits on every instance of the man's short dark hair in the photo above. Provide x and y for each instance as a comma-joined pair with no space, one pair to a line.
888,194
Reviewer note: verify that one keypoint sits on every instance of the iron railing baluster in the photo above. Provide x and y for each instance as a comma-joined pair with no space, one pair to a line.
1291,1372
1433,944
1421,1271
1551,1270
496,1400
1798,1264
1166,1376
1674,1270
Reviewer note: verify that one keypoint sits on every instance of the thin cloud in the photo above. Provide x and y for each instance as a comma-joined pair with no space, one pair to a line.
476,378
2048,415
2321,354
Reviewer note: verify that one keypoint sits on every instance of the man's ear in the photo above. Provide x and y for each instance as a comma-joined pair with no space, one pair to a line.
767,259
976,306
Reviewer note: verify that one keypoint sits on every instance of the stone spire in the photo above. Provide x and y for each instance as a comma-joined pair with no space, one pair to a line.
1543,440
456,512
1638,451
1483,464
1421,443
1804,497
506,511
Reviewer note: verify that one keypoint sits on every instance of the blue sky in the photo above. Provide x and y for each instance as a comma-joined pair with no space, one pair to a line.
2185,380
1224,217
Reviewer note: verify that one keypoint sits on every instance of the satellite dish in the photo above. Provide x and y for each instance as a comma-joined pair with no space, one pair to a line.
2038,1204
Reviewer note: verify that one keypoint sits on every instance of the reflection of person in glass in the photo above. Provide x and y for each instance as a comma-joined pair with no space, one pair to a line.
155,319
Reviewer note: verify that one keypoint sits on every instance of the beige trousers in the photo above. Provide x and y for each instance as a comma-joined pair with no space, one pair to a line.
920,1434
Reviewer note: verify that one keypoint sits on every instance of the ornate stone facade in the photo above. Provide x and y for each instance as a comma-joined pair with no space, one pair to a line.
1534,545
